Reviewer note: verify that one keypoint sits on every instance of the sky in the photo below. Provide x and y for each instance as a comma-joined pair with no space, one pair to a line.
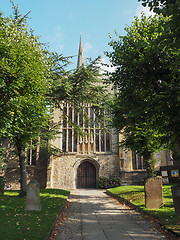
59,23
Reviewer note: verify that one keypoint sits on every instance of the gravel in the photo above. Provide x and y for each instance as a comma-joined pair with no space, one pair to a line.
68,225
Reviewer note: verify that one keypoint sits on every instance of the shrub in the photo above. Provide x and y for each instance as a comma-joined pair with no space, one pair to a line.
111,182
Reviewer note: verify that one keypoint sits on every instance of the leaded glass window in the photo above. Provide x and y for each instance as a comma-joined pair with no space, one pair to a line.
137,161
31,153
95,137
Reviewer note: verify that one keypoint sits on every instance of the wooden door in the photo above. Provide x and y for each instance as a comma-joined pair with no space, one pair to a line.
86,175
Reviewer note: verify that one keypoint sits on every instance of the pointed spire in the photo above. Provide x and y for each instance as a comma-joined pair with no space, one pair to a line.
80,55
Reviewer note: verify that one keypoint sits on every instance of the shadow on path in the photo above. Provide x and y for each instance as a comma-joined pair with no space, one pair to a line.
92,215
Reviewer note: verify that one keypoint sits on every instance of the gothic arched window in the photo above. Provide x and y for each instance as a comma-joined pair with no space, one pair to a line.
137,161
93,136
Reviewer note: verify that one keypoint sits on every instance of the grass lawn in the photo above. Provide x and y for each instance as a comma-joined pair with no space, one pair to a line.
17,224
165,214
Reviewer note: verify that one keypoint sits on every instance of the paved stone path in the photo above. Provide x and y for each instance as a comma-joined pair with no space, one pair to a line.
92,215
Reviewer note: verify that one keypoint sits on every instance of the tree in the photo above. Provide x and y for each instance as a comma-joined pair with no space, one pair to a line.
24,85
147,104
167,8
82,86
31,81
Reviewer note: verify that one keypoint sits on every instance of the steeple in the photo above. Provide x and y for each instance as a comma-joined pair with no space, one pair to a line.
80,55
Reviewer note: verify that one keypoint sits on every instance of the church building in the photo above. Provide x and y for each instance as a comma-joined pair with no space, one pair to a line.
94,155
85,158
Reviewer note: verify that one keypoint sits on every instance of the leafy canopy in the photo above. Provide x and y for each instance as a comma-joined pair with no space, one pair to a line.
146,106
167,8
24,85
81,88
24,80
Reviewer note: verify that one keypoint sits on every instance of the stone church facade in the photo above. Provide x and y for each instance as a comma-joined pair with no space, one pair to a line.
97,154
85,158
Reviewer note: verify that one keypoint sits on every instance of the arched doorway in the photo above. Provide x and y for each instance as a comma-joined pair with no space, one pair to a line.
86,175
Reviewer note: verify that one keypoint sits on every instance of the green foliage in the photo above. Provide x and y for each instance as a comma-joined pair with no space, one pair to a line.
165,214
24,84
84,85
29,224
146,105
168,8
79,88
111,182
32,81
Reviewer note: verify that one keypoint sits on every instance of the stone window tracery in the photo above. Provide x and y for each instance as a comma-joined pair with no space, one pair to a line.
137,161
32,153
94,138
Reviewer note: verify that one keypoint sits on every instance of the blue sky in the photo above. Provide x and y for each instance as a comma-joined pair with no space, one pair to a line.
60,22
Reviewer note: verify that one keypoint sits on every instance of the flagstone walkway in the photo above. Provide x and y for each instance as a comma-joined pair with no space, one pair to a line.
92,215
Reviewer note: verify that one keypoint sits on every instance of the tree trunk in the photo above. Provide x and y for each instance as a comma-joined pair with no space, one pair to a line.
22,162
149,167
176,154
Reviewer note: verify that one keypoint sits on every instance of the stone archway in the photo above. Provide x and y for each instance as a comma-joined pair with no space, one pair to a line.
86,175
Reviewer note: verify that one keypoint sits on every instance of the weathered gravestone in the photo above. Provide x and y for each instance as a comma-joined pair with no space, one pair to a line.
153,192
176,199
33,197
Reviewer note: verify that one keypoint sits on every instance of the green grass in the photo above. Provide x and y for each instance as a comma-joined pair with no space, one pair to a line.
165,214
17,224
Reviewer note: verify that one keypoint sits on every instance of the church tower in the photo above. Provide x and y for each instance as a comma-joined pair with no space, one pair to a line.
80,61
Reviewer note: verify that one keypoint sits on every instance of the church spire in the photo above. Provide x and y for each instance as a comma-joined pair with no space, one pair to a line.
80,55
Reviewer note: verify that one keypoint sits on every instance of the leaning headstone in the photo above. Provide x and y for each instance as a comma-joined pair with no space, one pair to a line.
176,199
153,192
33,197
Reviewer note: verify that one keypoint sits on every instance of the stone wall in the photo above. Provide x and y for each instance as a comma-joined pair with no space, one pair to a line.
63,170
133,177
38,172
13,176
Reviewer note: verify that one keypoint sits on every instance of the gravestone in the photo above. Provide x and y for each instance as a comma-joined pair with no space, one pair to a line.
176,199
153,192
33,197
